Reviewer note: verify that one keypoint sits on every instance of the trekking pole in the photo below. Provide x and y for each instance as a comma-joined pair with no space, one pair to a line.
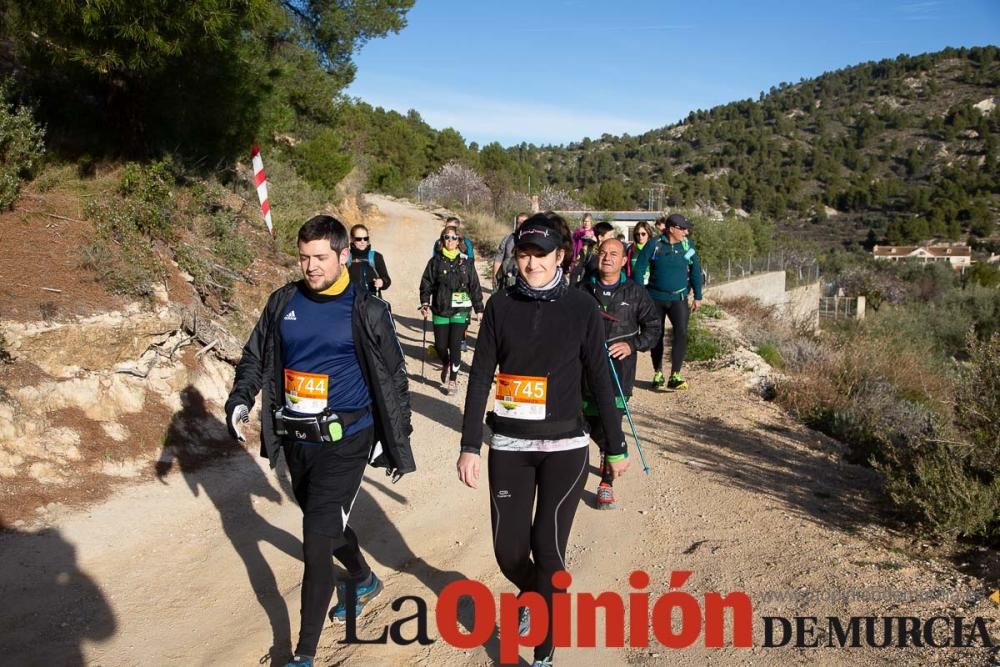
423,349
378,290
628,413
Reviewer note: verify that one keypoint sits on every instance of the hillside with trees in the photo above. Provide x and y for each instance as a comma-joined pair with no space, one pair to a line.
901,149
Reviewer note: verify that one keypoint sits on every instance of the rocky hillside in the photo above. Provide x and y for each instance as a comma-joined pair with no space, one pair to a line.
97,358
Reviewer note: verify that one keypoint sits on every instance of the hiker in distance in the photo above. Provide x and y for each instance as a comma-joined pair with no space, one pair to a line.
466,244
449,289
366,265
585,266
642,237
504,267
674,272
631,325
335,398
545,338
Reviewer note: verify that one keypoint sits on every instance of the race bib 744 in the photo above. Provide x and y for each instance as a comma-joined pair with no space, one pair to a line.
306,393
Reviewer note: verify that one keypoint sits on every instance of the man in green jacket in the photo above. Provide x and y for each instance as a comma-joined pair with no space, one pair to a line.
674,272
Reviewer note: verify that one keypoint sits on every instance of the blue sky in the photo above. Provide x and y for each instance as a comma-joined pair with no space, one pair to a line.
557,71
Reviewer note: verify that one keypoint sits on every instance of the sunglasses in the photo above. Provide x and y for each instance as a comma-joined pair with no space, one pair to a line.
641,234
451,237
360,238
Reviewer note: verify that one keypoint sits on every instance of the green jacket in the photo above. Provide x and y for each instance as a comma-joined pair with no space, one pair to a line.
674,270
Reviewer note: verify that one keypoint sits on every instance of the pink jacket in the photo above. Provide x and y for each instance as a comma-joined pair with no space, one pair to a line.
578,235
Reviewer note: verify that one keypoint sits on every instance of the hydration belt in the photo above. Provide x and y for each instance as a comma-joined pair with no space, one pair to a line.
327,426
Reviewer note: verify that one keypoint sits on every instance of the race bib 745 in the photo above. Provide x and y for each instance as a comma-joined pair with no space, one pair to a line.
521,396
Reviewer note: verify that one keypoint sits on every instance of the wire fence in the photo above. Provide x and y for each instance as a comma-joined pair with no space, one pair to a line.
841,308
799,269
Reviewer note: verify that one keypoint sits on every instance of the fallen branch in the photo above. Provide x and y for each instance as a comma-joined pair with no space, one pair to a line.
62,217
52,215
136,373
206,348
180,343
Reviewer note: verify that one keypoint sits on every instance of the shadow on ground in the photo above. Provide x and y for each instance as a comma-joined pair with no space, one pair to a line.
50,606
194,437
386,546
801,468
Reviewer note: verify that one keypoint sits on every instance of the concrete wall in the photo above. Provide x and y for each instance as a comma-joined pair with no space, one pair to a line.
800,304
768,288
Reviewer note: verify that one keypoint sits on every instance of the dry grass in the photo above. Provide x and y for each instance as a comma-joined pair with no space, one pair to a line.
486,232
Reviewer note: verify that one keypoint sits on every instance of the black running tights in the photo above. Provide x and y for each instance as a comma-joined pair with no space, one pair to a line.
530,548
448,344
678,313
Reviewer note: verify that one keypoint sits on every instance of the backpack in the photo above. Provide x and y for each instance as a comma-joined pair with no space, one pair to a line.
371,258
507,274
689,252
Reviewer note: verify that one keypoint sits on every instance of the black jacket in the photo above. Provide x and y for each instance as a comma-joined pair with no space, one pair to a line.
443,276
562,341
379,355
364,272
630,315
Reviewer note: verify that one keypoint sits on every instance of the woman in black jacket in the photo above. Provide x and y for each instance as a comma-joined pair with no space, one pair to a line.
449,289
366,266
545,337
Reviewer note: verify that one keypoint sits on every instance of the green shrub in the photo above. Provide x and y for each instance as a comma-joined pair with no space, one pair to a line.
977,403
128,267
22,146
121,254
228,244
291,204
946,497
711,311
322,161
703,345
146,191
769,352
887,393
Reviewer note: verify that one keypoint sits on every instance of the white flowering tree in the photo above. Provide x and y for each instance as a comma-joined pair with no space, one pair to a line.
455,183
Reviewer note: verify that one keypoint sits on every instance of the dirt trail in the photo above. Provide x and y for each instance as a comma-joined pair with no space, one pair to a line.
203,568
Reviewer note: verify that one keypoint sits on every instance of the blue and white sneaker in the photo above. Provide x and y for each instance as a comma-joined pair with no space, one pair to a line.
300,661
523,621
367,592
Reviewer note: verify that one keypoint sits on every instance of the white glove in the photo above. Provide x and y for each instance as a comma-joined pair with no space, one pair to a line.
241,414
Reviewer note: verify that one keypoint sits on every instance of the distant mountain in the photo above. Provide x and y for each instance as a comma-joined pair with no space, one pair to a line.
901,149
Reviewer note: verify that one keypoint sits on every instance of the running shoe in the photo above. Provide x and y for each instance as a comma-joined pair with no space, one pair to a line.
300,661
658,380
605,497
676,382
465,346
523,621
366,593
544,662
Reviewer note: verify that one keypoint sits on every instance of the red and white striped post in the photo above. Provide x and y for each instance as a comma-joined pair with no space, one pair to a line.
260,179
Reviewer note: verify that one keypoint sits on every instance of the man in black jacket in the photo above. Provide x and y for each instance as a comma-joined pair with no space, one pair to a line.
630,325
335,397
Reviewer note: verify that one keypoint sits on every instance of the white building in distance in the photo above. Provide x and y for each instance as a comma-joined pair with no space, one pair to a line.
959,256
